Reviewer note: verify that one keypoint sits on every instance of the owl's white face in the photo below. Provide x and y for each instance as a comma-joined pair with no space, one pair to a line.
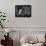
20,11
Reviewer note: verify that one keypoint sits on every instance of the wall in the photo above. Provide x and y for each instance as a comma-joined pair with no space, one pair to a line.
38,18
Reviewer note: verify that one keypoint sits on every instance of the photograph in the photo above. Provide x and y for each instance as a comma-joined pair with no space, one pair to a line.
23,11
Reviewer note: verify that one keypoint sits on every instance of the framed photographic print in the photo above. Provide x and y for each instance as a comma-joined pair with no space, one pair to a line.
23,11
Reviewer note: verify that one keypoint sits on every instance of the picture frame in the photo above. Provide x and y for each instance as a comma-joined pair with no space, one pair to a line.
23,11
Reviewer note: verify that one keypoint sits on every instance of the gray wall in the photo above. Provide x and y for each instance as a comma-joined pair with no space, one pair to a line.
38,18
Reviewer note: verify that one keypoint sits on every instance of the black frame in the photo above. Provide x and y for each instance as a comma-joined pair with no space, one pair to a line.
25,11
